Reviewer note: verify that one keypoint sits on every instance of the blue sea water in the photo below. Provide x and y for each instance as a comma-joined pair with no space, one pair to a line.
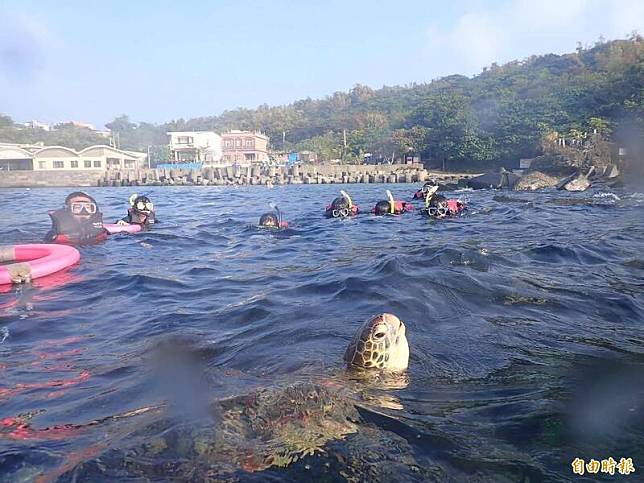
524,318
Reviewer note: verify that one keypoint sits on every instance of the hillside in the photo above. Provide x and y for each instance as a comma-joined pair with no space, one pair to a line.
493,118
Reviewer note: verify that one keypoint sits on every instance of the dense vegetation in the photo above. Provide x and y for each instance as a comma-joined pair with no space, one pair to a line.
493,118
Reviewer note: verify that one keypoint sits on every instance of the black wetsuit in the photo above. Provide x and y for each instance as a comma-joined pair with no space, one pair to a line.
136,218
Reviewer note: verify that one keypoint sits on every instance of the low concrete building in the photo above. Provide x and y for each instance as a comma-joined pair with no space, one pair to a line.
244,147
195,146
15,157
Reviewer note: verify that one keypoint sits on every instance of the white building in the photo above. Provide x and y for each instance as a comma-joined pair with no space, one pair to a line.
196,146
16,157
36,125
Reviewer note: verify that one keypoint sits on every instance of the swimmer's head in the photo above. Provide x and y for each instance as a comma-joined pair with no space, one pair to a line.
340,203
438,206
269,220
339,208
382,208
437,200
141,204
81,205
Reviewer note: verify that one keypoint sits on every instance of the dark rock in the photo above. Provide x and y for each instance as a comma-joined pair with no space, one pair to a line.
508,199
578,182
535,180
448,187
503,179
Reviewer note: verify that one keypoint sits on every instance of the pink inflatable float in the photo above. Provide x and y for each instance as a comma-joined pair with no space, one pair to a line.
116,228
34,261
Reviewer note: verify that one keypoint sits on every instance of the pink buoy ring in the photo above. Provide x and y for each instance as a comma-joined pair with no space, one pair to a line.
116,228
34,261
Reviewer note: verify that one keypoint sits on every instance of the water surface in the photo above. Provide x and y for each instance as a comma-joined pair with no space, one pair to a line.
524,321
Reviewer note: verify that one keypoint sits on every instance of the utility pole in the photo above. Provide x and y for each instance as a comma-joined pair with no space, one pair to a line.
344,144
148,156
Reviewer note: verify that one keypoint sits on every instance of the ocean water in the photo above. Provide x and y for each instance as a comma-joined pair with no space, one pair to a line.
524,318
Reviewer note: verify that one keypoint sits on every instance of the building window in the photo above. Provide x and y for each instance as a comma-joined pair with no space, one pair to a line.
74,163
185,140
238,143
42,164
88,163
97,164
248,143
59,164
129,163
229,143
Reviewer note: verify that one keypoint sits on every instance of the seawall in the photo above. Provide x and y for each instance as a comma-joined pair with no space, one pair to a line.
255,175
32,179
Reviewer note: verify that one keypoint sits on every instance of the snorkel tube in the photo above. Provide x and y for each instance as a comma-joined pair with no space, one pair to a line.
429,194
282,224
347,197
392,203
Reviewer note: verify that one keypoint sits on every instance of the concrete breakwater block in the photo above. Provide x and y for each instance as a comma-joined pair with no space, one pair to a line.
256,175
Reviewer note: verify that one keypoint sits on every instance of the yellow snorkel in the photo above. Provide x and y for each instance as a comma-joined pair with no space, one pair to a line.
347,197
132,198
392,203
429,194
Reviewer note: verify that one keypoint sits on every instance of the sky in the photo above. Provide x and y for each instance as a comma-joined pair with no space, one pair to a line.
160,60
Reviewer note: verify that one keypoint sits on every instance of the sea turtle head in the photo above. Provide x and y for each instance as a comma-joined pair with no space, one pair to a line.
379,344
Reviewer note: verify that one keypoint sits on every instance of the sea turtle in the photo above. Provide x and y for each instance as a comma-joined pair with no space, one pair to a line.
326,423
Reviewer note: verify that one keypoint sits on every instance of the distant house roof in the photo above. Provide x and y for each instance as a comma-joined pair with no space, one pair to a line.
56,151
96,150
14,152
186,133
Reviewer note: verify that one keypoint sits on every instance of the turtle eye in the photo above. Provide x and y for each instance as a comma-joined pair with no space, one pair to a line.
379,335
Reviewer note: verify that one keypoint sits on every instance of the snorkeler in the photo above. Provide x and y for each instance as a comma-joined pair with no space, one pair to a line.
141,212
273,220
341,207
438,206
79,221
391,206
429,185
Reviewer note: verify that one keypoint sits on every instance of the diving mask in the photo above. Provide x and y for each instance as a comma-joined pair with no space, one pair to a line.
78,207
144,206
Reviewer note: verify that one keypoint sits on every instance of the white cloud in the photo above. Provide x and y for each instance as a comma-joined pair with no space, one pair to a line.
476,39
24,44
624,17
517,29
541,14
